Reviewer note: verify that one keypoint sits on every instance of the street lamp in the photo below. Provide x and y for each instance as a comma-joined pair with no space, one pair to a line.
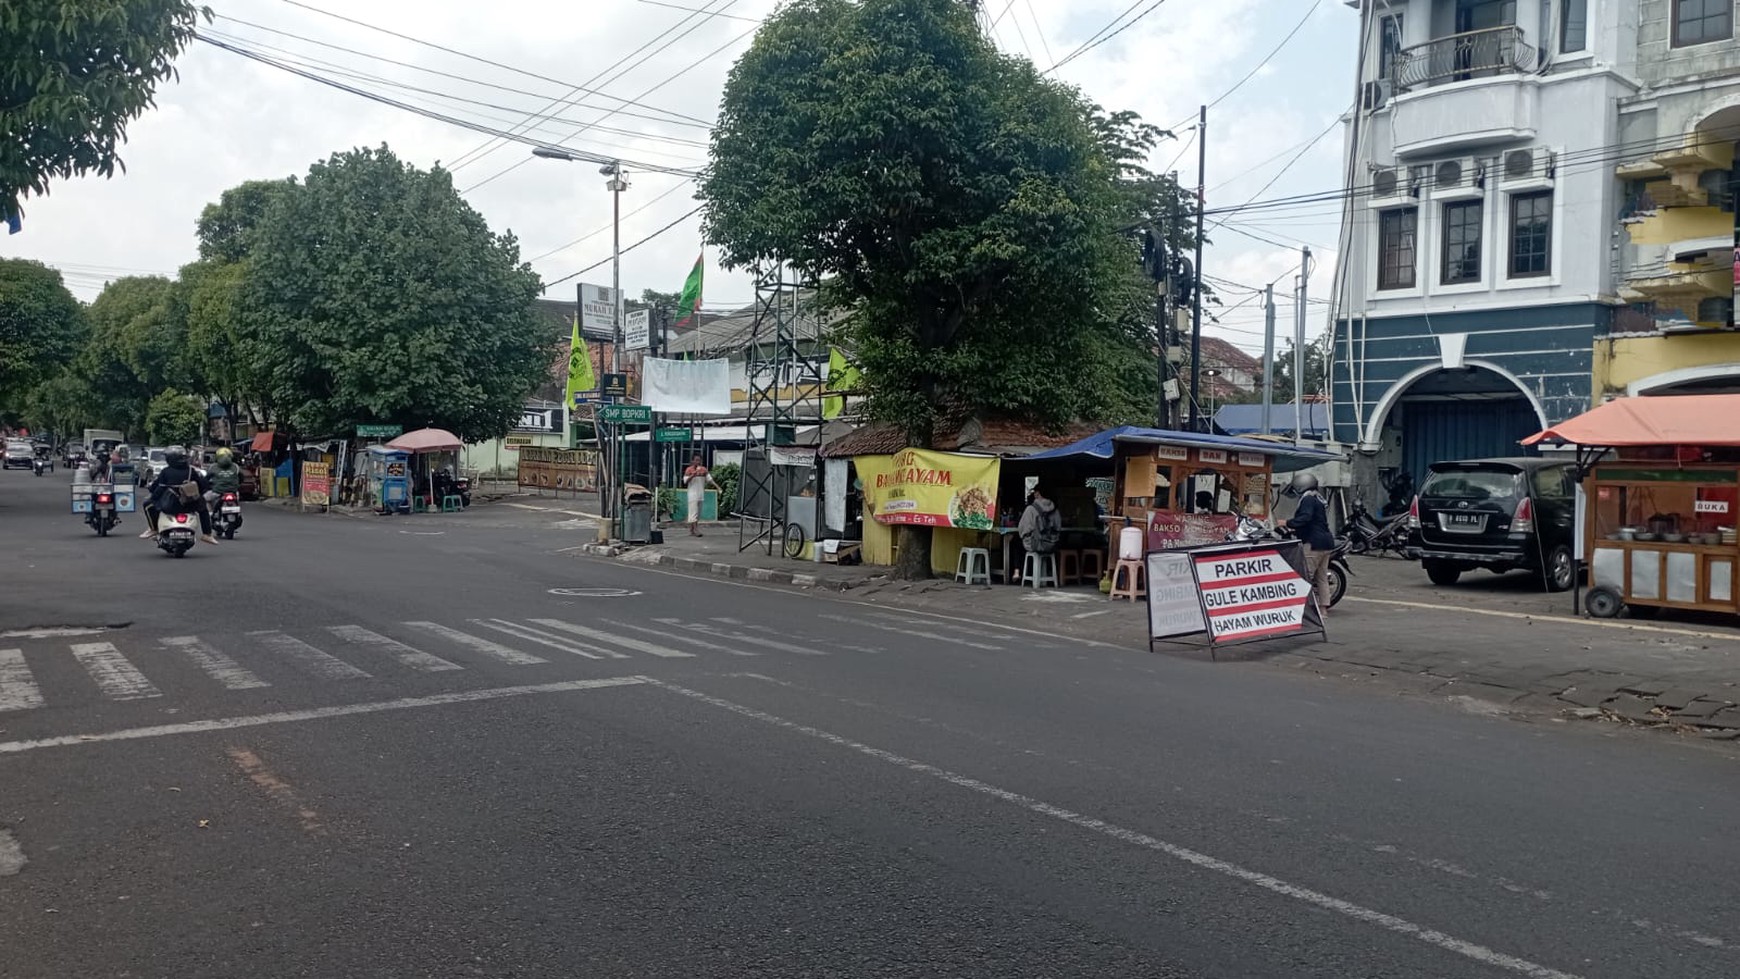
1211,373
617,183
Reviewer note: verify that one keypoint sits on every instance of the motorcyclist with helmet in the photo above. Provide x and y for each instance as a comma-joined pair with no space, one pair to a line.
1311,523
164,494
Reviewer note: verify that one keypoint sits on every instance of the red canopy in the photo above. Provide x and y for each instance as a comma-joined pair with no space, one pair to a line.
1690,419
426,440
262,442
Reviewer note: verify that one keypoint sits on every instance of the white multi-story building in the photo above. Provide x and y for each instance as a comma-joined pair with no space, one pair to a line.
1541,215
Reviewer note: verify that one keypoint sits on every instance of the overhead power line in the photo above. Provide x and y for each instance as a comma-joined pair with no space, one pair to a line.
625,249
588,236
432,114
472,57
1102,36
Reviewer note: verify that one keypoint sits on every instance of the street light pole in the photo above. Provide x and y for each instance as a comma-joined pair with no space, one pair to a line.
617,185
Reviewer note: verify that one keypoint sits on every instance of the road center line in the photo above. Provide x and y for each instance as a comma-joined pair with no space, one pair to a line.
316,713
1389,922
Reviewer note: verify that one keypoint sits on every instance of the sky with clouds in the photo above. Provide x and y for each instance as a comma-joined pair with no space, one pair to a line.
229,119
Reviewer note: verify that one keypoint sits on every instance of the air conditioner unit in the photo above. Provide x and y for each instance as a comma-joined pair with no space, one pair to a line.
1376,94
1451,174
1386,182
1530,164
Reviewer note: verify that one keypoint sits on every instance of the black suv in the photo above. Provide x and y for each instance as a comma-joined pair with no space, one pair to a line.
1496,514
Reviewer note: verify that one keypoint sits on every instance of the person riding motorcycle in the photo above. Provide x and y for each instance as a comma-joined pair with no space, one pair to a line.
226,476
164,494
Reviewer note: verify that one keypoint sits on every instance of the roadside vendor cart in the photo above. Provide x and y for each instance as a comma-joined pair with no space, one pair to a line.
1660,482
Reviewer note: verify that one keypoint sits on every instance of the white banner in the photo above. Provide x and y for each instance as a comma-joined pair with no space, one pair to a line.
597,312
637,329
696,387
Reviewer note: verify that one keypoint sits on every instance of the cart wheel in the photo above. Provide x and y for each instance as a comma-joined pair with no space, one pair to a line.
794,541
1603,602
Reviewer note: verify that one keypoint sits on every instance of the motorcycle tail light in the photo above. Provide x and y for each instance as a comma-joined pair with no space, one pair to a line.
229,497
1414,514
104,498
181,518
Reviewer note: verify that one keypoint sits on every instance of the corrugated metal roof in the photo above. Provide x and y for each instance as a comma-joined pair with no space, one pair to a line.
733,332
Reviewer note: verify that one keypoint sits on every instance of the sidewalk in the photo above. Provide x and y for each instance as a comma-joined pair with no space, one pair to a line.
1499,646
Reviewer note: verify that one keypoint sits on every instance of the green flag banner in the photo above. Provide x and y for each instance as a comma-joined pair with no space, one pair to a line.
580,376
842,379
689,306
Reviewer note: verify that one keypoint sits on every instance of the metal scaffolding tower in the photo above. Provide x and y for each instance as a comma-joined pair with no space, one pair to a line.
785,391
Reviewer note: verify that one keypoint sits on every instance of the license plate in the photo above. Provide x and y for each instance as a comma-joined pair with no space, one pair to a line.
232,509
1462,523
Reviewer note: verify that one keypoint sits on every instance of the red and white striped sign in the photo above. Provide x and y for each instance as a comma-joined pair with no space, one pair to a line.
1251,594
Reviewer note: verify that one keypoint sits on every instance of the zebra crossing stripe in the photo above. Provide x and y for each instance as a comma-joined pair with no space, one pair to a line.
478,644
416,659
216,664
317,662
545,639
917,633
18,690
624,641
678,637
113,675
707,630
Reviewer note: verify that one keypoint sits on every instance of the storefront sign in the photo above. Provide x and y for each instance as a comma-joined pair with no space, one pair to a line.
1174,609
1251,594
543,421
1252,460
1169,529
1710,506
514,443
379,431
597,312
1172,453
1211,456
785,455
637,329
558,469
931,489
316,483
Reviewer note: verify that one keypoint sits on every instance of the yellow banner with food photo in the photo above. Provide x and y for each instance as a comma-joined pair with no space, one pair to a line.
931,489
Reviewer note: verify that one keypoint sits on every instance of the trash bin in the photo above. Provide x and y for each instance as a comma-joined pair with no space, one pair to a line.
637,515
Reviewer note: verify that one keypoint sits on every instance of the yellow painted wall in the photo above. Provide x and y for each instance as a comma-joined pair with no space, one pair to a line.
878,543
945,545
1625,360
1681,224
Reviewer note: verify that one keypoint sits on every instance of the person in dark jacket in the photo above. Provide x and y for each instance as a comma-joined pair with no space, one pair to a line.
1311,524
162,495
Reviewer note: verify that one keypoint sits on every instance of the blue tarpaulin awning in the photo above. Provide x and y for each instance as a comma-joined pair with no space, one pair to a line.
1287,457
1248,420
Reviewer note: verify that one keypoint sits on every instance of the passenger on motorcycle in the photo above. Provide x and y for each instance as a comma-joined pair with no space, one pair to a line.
165,494
226,476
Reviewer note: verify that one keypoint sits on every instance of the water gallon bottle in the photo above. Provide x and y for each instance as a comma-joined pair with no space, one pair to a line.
1131,543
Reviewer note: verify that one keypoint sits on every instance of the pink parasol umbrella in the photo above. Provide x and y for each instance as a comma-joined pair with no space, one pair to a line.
426,440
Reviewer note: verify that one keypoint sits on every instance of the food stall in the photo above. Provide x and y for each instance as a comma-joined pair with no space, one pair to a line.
1660,490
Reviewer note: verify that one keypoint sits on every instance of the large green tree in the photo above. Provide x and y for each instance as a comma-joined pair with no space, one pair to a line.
135,351
41,327
174,418
227,226
962,205
73,74
374,293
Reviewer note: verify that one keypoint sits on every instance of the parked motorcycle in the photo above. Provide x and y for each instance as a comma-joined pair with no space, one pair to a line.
1366,533
446,484
1252,529
228,518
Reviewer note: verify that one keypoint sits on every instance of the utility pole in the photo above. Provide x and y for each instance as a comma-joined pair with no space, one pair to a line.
1268,354
618,183
1299,346
1196,293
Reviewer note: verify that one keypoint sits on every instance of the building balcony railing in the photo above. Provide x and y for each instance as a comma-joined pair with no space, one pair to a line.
1475,54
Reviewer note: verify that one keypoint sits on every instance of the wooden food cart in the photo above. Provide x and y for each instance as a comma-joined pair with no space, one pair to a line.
1661,490
1188,488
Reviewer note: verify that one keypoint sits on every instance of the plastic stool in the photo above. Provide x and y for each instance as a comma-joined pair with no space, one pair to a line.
1039,570
1132,575
452,504
1093,564
974,566
1069,567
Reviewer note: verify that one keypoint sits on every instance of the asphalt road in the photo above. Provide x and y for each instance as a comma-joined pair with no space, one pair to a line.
446,746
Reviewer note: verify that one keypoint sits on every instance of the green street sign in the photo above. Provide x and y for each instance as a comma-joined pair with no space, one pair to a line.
379,431
626,414
681,433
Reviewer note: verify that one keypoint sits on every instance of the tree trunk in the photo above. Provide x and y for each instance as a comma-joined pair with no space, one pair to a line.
913,561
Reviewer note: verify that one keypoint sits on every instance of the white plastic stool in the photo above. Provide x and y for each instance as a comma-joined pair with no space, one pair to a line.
973,567
1039,570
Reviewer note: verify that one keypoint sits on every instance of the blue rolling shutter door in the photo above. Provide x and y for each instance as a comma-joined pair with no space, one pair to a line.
1445,431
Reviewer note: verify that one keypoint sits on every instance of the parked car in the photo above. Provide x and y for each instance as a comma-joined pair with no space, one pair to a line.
1497,514
19,454
155,458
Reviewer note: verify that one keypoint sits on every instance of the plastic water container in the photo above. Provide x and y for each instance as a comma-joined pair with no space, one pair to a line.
1131,543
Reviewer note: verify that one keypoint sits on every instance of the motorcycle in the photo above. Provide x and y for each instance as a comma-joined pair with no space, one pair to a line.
1252,529
1384,535
40,465
228,518
446,484
176,531
102,518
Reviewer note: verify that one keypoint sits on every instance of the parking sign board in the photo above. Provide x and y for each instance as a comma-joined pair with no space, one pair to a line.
1252,594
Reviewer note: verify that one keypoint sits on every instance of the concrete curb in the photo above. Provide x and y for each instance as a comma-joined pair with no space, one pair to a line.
720,569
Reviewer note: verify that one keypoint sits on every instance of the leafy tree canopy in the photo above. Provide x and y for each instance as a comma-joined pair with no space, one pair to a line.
374,293
966,208
41,327
174,418
227,227
134,351
73,74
